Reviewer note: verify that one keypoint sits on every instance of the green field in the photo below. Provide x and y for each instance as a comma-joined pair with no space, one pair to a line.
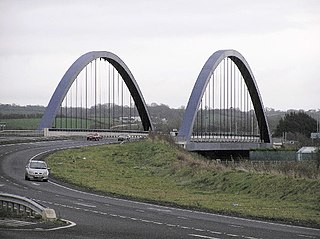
21,124
33,123
157,171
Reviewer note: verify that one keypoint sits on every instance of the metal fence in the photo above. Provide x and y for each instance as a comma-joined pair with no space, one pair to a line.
23,206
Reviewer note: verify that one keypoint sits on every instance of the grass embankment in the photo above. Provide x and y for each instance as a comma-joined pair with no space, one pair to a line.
155,170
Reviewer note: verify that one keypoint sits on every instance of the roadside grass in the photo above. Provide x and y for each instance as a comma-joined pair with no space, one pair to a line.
157,171
9,214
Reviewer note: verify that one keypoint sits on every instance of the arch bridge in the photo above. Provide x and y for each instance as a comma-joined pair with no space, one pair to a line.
97,93
225,110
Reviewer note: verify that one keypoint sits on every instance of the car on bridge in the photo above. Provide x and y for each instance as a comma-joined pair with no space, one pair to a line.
37,170
124,138
95,137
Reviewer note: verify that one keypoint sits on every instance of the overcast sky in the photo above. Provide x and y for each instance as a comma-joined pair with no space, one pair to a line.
164,43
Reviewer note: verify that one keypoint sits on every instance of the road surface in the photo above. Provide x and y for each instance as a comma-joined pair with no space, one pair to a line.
101,216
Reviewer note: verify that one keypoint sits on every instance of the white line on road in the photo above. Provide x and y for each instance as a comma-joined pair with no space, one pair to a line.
305,236
202,236
214,232
158,209
236,226
232,235
85,205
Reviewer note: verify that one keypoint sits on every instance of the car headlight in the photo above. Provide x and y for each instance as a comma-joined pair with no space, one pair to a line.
30,172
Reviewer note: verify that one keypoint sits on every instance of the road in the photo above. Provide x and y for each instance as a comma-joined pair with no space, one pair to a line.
101,216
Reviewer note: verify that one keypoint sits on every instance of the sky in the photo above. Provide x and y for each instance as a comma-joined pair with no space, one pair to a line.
164,43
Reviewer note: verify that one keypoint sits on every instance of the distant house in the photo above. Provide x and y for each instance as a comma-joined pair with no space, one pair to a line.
129,120
306,153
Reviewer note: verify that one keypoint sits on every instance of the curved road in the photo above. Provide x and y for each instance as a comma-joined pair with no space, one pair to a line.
98,216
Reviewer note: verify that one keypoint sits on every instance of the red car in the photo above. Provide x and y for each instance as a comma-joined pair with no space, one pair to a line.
95,137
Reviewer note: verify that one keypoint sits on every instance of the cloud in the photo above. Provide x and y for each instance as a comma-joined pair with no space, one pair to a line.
162,42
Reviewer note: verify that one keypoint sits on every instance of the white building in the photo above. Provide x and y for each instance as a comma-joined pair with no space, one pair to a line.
307,153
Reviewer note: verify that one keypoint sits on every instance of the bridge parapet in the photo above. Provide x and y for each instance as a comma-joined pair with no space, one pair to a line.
110,134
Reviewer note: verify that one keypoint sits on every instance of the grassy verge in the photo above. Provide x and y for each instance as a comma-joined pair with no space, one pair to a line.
37,219
154,170
13,215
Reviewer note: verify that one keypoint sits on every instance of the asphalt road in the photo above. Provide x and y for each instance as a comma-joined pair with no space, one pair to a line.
99,216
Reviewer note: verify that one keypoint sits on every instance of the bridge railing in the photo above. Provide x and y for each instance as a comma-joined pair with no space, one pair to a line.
24,206
52,132
208,137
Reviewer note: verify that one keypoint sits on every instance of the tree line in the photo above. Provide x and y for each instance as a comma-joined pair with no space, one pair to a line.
165,118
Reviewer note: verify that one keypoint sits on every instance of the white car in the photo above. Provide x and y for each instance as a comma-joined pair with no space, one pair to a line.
37,170
124,138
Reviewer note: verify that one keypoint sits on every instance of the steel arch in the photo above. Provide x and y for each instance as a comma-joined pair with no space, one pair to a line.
72,73
200,87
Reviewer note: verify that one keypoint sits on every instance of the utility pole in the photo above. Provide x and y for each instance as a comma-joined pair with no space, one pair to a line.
318,121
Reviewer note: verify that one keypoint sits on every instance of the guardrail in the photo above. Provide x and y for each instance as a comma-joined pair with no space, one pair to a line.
25,206
106,133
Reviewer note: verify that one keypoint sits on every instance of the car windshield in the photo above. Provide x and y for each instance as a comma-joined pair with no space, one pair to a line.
38,165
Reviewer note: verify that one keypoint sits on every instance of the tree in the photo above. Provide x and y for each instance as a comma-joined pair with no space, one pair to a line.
297,123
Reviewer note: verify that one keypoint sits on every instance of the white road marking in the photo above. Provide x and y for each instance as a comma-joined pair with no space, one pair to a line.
232,235
202,236
236,226
170,225
158,223
36,184
183,227
85,205
214,232
71,224
199,230
158,209
305,236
